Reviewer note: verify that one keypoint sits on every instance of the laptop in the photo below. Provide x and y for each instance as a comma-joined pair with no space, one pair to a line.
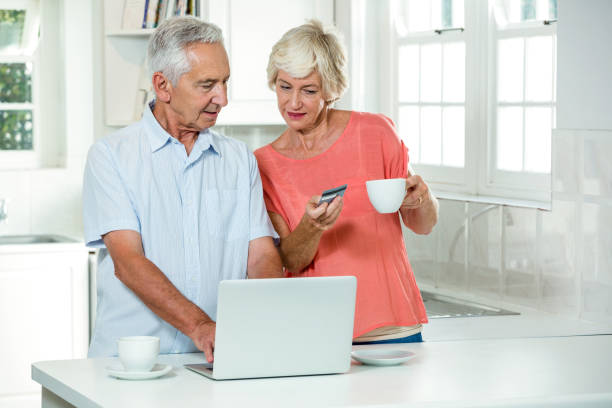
282,327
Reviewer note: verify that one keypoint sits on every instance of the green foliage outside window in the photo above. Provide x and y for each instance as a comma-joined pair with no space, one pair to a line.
11,27
15,83
15,125
16,130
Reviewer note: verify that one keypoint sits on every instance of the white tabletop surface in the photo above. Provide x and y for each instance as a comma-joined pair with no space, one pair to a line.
527,372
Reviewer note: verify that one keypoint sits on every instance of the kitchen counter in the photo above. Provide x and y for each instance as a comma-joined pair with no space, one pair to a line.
529,323
527,372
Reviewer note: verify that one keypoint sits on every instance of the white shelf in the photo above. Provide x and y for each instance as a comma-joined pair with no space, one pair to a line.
139,32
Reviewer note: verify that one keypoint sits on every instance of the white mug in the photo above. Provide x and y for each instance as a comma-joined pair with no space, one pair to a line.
138,353
386,195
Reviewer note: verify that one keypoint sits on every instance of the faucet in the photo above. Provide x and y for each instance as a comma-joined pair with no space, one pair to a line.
3,209
507,221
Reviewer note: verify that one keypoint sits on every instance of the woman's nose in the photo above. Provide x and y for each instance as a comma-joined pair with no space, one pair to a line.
296,101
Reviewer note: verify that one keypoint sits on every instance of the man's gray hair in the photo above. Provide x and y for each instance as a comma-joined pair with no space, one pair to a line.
167,47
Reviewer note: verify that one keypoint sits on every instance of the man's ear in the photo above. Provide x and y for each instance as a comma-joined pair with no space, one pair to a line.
162,87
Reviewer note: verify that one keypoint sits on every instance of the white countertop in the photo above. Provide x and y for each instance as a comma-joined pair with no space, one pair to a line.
528,372
529,323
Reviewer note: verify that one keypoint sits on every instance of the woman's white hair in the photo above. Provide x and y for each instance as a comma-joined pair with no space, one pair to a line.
167,47
307,48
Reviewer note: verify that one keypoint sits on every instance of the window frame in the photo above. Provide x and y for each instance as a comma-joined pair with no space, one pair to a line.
438,174
477,179
503,182
24,159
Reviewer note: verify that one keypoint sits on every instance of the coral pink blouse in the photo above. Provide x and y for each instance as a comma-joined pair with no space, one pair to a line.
362,242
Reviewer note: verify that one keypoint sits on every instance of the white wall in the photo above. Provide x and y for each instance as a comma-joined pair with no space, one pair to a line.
48,200
584,64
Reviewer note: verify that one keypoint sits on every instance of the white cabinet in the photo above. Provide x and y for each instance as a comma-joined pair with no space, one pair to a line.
250,28
43,313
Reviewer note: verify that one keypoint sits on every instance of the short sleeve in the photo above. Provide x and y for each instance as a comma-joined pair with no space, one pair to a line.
394,150
260,225
106,203
271,196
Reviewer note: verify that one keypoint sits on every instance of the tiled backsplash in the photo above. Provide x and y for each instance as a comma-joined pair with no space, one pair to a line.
558,261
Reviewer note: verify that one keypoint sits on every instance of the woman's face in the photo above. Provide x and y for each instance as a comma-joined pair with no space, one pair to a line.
300,100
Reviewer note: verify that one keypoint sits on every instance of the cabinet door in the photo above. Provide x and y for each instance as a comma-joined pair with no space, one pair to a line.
43,314
250,29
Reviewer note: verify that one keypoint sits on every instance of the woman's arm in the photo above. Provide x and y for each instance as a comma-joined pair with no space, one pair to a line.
298,247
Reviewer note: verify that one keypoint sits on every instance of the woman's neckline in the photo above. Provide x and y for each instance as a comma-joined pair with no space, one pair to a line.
323,153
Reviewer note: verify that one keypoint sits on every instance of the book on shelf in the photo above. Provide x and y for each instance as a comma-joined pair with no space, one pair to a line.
151,13
152,16
134,14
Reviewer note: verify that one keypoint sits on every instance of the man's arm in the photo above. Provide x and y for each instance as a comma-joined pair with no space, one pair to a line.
157,292
263,260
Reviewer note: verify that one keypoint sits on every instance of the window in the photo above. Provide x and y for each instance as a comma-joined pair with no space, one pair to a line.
18,98
475,99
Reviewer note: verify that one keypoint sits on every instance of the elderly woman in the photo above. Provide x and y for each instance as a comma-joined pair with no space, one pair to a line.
323,148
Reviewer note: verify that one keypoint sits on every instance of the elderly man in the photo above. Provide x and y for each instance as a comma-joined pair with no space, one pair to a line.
175,207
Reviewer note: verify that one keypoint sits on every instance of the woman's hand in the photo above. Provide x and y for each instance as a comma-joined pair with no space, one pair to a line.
322,216
419,210
417,193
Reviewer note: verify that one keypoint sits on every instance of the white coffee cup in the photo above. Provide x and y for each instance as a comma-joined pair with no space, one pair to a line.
386,195
138,353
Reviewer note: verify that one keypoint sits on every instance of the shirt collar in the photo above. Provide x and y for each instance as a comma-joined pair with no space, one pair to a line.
159,137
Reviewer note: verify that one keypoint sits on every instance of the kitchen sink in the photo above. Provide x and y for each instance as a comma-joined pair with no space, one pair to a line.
34,239
440,306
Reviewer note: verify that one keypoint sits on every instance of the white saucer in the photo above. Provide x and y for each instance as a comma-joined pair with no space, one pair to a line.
157,371
382,357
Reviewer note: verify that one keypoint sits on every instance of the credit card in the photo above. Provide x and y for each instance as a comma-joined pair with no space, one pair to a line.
328,195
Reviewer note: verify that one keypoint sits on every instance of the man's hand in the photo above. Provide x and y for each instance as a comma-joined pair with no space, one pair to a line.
203,337
323,216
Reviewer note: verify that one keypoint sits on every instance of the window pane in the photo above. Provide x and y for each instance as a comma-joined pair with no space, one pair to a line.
16,130
537,139
517,11
453,131
510,138
408,72
431,72
510,70
16,83
528,10
431,135
418,14
539,69
409,130
457,12
454,72
428,15
11,30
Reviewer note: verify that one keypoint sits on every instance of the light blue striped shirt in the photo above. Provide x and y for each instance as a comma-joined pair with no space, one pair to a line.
196,215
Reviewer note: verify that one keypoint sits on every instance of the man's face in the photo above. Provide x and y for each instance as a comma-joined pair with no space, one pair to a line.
201,93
